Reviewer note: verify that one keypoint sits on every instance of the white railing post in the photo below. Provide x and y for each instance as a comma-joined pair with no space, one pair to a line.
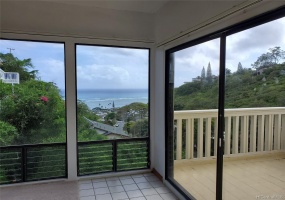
283,132
215,135
179,140
200,138
227,150
277,131
189,138
244,135
268,132
260,146
208,137
253,124
235,134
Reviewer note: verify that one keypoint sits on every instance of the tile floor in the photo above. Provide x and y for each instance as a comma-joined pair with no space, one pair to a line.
133,187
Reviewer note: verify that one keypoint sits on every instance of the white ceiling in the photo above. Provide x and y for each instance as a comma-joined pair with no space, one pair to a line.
146,6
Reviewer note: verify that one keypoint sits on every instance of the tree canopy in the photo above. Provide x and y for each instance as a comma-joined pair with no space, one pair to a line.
270,58
24,67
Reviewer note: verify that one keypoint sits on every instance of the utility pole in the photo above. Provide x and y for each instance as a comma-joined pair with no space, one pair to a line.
11,49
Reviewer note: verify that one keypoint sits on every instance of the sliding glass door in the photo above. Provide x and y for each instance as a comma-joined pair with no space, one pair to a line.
225,112
194,90
255,113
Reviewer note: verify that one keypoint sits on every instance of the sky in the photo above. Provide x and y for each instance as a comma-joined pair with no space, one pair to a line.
97,67
111,68
48,58
244,47
126,68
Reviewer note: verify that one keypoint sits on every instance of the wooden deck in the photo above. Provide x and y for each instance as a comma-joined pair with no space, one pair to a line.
246,176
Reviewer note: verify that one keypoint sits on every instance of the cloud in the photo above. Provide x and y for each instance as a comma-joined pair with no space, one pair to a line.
108,77
248,45
245,47
189,62
51,70
262,36
111,67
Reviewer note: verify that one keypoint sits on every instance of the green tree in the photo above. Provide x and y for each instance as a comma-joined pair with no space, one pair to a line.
227,71
270,58
132,111
111,118
8,134
203,74
23,67
85,132
240,68
35,109
209,73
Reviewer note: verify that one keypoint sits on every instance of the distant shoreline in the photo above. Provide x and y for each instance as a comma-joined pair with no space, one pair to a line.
104,98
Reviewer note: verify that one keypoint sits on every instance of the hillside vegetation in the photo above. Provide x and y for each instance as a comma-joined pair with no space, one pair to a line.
262,86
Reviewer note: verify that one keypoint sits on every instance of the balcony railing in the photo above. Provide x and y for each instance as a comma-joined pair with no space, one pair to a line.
33,162
112,155
246,130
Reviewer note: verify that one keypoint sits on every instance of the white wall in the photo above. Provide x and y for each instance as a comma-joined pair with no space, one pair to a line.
159,114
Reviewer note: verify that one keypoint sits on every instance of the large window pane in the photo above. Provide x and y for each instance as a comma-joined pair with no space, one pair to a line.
32,111
255,113
112,103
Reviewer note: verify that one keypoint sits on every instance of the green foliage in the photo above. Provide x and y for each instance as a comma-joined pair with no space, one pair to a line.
240,68
243,89
13,64
203,73
137,128
35,109
209,73
128,126
196,95
188,88
84,130
8,133
269,59
132,111
110,118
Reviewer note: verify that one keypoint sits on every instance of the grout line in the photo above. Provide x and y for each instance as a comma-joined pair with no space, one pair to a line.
147,181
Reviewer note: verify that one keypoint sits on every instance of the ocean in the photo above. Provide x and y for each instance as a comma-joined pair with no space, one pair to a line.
104,98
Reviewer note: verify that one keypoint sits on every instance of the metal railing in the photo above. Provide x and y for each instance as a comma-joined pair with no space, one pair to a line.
246,130
112,155
21,163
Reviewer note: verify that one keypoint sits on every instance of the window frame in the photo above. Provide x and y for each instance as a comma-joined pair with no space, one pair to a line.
65,102
114,140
